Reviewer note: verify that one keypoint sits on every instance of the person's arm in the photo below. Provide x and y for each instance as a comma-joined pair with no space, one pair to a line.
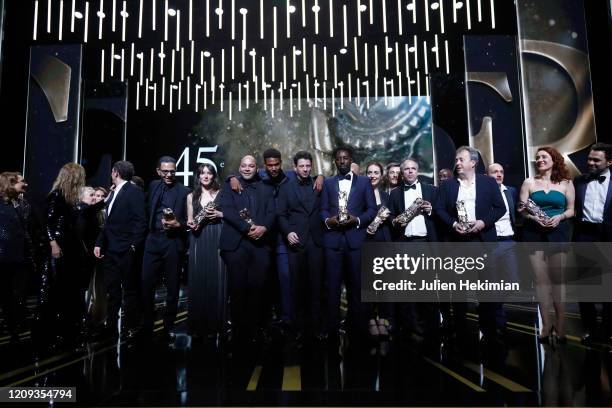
440,209
138,217
365,218
498,208
231,214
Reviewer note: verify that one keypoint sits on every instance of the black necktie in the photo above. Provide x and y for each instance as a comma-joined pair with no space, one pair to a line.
600,179
408,187
345,177
109,201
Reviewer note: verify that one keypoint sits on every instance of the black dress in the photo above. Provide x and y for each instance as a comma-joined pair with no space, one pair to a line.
207,280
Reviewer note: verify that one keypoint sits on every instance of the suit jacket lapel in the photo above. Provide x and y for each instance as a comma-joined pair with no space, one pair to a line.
454,194
153,201
510,200
118,199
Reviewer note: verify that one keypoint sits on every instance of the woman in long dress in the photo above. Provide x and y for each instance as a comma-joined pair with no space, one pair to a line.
207,276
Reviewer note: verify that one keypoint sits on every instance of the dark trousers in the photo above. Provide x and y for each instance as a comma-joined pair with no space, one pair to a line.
121,284
589,232
247,268
284,283
13,280
306,281
162,256
338,261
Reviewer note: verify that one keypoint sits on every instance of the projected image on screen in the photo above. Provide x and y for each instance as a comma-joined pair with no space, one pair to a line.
385,130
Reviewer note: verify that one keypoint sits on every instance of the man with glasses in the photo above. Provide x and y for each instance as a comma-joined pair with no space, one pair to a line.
165,244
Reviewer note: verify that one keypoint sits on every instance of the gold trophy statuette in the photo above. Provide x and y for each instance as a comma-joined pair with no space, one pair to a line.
462,216
410,213
201,215
533,209
343,214
245,215
168,214
381,216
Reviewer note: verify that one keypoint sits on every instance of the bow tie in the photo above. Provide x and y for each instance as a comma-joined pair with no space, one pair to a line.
600,179
345,177
408,187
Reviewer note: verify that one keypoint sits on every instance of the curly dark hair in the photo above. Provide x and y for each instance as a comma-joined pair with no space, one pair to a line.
559,172
197,186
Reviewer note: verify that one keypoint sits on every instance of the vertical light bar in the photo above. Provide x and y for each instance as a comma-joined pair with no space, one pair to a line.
331,18
86,28
172,66
344,17
261,19
446,53
154,23
122,64
72,14
155,96
112,60
233,20
294,63
114,19
100,19
384,12
416,53
316,10
386,52
49,16
350,86
479,11
288,20
162,56
427,15
469,14
397,59
205,94
137,95
335,70
356,52
207,25
493,14
304,54
358,17
425,53
124,16
182,63
163,101
190,20
140,26
220,27
201,67
303,13
442,17
233,61
192,57
166,22
375,61
455,11
314,60
437,48
371,12
179,99
101,66
223,66
273,65
188,90
35,28
132,51
61,19
178,29
275,27
285,71
365,58
151,63
325,63
399,16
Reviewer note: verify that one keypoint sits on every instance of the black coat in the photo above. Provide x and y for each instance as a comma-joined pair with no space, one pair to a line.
126,225
299,215
397,206
235,229
177,195
13,234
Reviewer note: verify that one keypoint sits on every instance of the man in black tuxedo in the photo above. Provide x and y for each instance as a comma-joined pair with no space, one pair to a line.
485,206
246,245
343,240
594,224
165,244
299,219
421,319
120,245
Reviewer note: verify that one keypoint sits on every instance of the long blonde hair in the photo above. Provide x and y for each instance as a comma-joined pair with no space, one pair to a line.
69,181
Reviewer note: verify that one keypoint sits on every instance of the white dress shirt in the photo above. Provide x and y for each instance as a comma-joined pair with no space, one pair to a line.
467,194
345,185
117,189
595,198
416,227
503,226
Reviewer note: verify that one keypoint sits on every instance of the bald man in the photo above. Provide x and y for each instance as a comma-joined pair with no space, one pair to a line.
246,244
505,225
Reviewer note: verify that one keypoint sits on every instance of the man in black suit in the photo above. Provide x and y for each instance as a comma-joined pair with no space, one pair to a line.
594,224
245,245
120,245
165,244
422,228
343,239
300,223
420,319
484,205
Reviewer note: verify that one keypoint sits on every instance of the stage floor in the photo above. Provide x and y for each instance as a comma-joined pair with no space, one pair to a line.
350,373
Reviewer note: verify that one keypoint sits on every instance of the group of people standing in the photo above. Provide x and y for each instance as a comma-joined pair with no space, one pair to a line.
271,245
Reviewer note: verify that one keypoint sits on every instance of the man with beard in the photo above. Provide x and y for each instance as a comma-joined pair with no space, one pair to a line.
299,221
594,224
273,177
245,245
165,245
344,237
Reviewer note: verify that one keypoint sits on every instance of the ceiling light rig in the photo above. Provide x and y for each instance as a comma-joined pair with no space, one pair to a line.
339,66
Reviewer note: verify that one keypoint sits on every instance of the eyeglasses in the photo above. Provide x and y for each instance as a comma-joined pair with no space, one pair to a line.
165,172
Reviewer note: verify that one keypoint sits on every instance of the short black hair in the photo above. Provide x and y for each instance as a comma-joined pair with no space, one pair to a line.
166,159
271,153
603,147
302,155
343,148
125,169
